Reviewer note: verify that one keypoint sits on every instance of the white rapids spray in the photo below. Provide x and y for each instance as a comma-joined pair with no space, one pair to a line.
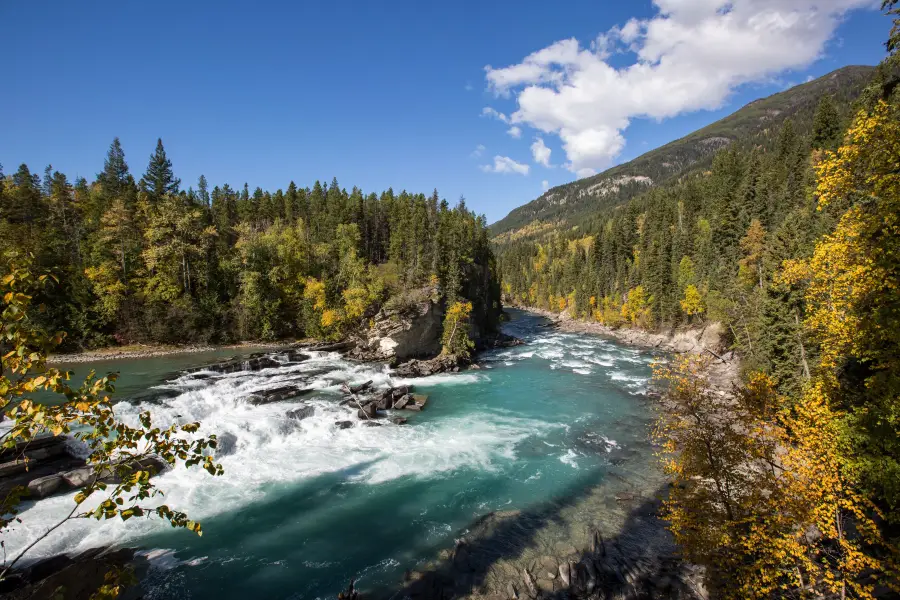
260,446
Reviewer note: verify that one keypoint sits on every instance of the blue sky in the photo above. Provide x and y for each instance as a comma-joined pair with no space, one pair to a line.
392,94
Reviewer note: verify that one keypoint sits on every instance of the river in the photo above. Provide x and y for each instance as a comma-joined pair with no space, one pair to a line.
549,432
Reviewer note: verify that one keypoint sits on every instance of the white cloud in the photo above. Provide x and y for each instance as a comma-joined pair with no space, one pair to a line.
514,132
469,87
689,56
540,152
489,112
545,185
504,164
478,152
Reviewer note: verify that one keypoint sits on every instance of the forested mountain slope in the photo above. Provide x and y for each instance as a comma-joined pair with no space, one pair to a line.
753,124
149,261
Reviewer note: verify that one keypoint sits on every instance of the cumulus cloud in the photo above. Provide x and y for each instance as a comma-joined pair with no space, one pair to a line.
514,132
506,165
689,56
540,152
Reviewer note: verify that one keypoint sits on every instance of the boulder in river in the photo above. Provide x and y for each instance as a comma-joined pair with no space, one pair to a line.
45,486
402,401
355,389
368,411
225,444
398,420
344,424
399,391
294,355
304,412
278,394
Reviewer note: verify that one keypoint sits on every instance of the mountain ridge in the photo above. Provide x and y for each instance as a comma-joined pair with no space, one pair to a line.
565,204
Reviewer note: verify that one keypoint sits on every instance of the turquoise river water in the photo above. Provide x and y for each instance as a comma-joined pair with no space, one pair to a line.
303,506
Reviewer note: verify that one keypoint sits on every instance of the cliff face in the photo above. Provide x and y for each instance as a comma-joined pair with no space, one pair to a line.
411,327
399,334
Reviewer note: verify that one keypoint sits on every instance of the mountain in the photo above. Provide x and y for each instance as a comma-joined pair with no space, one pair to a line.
567,204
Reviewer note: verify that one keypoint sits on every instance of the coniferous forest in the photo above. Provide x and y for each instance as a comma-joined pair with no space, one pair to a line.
151,261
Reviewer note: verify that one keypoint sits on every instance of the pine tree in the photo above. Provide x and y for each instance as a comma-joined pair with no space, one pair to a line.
115,177
159,180
826,125
203,190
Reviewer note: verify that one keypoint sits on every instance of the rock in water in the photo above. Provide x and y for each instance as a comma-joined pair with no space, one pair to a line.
278,394
45,486
301,413
344,424
225,444
355,389
368,411
402,401
401,391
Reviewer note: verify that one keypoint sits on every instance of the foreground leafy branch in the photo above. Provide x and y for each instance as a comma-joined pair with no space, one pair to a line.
122,458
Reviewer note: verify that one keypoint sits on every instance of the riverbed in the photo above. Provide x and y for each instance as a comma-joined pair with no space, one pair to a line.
552,436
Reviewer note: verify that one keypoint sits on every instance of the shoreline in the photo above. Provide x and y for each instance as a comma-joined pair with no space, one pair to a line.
724,367
137,351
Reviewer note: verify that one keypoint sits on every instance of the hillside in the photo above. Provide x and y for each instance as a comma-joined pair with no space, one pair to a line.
615,186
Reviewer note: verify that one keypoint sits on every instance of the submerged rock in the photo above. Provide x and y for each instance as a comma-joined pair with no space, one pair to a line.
226,443
301,413
344,424
278,394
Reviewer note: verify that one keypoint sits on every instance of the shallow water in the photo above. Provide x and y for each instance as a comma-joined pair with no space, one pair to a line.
304,506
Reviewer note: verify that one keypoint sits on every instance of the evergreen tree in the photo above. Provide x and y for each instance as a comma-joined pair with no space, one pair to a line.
826,125
159,180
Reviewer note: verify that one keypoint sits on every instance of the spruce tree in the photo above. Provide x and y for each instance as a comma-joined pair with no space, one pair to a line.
159,180
826,125
114,177
203,190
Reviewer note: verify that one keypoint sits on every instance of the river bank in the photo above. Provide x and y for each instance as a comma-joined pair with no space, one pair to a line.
724,365
136,351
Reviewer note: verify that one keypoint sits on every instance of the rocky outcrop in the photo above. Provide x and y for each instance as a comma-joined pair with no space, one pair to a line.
44,467
399,334
70,577
422,368
478,567
372,405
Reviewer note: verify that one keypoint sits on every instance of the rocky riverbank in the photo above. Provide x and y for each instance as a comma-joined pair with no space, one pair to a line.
724,365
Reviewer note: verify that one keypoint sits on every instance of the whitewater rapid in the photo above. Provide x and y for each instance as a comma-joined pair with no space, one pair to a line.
261,449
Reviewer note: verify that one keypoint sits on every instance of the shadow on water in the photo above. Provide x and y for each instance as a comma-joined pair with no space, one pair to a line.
493,561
